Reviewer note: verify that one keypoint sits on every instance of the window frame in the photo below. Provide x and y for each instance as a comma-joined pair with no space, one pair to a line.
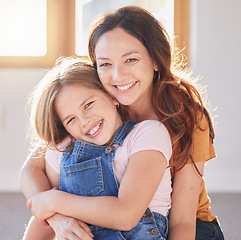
182,25
61,34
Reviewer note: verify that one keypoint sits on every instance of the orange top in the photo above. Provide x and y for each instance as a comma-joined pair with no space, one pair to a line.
203,150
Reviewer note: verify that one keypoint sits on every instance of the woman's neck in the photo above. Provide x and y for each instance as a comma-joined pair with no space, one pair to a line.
141,113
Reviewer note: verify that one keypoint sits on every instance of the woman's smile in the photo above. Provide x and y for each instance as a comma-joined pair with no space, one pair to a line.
126,86
125,67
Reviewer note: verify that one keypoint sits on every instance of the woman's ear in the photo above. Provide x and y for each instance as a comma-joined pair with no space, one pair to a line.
116,102
155,67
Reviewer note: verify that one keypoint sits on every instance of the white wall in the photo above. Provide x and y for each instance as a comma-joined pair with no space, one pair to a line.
15,84
215,55
216,51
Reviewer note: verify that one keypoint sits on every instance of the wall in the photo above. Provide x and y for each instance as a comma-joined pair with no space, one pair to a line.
215,55
15,84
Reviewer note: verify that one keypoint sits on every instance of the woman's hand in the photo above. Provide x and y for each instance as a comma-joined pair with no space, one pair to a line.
69,228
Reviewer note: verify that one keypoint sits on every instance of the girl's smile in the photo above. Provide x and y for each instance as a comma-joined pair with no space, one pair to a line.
87,114
96,129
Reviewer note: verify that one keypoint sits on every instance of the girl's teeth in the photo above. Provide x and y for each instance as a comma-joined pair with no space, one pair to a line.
95,129
126,86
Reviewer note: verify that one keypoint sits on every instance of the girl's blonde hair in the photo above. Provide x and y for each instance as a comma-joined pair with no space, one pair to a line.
45,124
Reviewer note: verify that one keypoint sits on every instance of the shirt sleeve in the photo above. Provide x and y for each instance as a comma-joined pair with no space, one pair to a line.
203,149
53,156
151,135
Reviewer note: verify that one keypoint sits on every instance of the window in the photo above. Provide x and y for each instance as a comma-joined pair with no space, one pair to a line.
86,12
24,27
36,33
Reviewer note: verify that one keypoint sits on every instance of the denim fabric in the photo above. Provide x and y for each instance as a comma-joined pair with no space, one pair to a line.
87,170
151,226
208,230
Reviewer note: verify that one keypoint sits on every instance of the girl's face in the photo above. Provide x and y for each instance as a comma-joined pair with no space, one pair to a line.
87,114
125,67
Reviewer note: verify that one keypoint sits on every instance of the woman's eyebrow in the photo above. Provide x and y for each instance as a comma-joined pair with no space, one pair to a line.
124,55
129,53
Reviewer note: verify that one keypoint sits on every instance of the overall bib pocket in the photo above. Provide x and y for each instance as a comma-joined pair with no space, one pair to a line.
85,178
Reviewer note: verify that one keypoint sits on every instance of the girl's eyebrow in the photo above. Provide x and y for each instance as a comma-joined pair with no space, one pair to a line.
82,104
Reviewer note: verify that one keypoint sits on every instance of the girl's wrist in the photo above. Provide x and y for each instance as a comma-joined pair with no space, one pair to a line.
53,200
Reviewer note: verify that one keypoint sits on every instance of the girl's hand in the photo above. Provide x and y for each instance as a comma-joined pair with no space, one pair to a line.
41,204
69,228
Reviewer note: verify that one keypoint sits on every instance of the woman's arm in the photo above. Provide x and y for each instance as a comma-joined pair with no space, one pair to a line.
32,177
185,196
37,231
138,186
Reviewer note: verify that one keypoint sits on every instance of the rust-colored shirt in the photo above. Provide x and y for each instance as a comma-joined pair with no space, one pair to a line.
202,150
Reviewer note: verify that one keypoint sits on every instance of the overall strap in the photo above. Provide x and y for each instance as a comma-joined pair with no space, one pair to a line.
123,132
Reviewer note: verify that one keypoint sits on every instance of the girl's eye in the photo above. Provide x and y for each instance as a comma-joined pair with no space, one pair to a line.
88,104
70,120
131,60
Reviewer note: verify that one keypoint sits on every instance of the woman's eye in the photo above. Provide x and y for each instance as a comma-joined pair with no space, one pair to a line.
88,104
104,64
131,60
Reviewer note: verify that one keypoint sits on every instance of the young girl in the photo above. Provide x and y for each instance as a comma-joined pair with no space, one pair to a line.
119,170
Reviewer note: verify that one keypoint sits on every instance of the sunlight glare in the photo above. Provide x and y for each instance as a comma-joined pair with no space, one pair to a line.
23,28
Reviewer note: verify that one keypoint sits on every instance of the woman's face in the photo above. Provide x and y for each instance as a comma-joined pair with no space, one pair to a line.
125,67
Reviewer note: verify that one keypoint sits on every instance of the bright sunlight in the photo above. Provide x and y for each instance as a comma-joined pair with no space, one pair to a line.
23,27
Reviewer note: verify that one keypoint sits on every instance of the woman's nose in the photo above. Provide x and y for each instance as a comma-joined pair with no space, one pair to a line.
118,73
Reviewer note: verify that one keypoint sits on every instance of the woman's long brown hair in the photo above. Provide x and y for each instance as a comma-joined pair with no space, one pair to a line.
176,99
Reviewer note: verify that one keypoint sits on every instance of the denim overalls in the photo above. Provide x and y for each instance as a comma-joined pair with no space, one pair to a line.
87,170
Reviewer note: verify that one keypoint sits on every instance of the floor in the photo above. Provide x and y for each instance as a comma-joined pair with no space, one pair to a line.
15,215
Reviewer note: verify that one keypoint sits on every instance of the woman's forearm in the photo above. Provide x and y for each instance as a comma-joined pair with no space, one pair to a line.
185,196
183,231
32,177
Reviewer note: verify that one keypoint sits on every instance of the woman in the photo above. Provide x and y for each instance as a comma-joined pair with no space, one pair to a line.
135,63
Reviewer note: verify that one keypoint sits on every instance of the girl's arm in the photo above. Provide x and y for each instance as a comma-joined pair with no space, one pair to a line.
33,179
138,186
185,196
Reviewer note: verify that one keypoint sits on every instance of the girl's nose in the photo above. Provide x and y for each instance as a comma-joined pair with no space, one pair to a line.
84,120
